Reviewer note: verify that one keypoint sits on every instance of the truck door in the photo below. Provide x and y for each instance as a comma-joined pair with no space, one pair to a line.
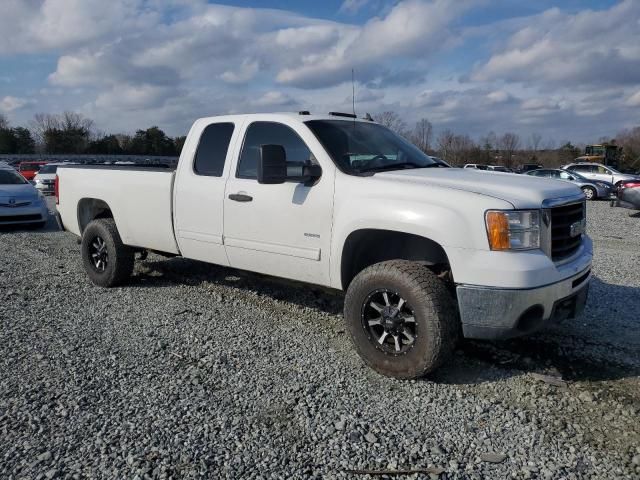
282,229
199,190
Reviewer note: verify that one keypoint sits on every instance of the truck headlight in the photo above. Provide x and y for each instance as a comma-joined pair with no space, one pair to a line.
513,229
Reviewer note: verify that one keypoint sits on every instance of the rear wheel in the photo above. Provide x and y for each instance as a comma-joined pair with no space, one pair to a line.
401,318
589,193
107,261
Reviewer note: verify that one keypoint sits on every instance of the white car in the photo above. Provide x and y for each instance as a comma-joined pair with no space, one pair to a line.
596,171
46,176
20,202
476,166
422,252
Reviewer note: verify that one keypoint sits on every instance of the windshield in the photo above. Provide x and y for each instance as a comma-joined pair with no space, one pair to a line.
565,175
9,177
359,147
48,169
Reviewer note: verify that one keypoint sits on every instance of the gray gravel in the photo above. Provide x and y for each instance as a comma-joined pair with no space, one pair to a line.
197,371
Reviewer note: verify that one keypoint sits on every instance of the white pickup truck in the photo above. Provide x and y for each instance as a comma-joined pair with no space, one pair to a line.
425,253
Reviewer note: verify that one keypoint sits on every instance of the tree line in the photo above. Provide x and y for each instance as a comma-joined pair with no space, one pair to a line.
508,149
72,133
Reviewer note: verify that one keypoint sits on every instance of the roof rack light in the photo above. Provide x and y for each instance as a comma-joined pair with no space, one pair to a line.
342,114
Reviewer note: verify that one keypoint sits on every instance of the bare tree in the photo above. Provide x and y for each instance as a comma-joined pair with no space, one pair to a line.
4,123
629,140
457,149
76,121
534,141
41,124
393,121
445,144
422,135
509,143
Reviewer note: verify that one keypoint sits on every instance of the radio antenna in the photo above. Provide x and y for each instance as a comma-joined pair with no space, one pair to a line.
353,91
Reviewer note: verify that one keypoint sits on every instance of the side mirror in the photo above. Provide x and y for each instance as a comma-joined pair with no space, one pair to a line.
272,164
273,167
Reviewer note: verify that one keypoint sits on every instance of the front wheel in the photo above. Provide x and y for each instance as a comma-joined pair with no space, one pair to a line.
401,318
107,261
589,193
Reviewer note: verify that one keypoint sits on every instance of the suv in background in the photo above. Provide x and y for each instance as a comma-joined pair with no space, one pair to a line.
499,168
46,177
597,171
527,167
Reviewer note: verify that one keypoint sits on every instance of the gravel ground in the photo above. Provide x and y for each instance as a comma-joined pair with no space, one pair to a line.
200,371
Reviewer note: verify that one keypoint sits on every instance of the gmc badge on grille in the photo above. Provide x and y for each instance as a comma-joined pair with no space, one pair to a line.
577,228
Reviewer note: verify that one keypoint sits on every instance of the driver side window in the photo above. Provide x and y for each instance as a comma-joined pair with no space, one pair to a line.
267,133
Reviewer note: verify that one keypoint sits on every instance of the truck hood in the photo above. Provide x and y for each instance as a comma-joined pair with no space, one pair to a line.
522,191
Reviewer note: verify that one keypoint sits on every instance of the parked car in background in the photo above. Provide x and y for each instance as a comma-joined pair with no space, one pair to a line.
592,189
527,167
46,176
477,166
499,168
628,194
596,171
20,202
29,169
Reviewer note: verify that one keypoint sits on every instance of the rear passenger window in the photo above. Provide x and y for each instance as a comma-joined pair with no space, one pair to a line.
269,133
212,149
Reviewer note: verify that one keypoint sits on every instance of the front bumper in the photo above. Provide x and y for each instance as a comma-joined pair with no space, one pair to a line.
34,213
498,313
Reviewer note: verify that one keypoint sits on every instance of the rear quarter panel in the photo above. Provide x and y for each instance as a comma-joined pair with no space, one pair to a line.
140,201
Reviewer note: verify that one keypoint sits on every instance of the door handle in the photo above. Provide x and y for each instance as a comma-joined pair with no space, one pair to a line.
240,197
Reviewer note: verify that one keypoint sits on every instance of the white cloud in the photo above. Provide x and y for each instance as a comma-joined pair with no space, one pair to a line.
37,25
134,63
571,50
242,74
9,104
498,96
413,28
352,6
273,99
634,100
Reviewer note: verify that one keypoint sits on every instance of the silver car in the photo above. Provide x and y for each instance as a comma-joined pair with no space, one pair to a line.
598,172
20,202
592,188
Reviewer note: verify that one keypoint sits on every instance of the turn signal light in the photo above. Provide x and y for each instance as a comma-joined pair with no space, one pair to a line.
498,230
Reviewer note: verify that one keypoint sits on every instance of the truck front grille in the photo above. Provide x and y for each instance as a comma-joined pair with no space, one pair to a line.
565,220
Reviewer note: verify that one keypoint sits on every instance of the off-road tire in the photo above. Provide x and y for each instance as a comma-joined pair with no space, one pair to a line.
120,256
437,323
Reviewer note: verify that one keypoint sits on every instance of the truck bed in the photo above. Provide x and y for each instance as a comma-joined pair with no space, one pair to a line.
138,196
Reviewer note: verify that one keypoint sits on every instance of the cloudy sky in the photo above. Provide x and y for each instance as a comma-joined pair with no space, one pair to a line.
565,69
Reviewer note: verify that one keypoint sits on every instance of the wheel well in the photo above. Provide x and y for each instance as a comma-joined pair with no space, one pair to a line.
369,246
91,208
